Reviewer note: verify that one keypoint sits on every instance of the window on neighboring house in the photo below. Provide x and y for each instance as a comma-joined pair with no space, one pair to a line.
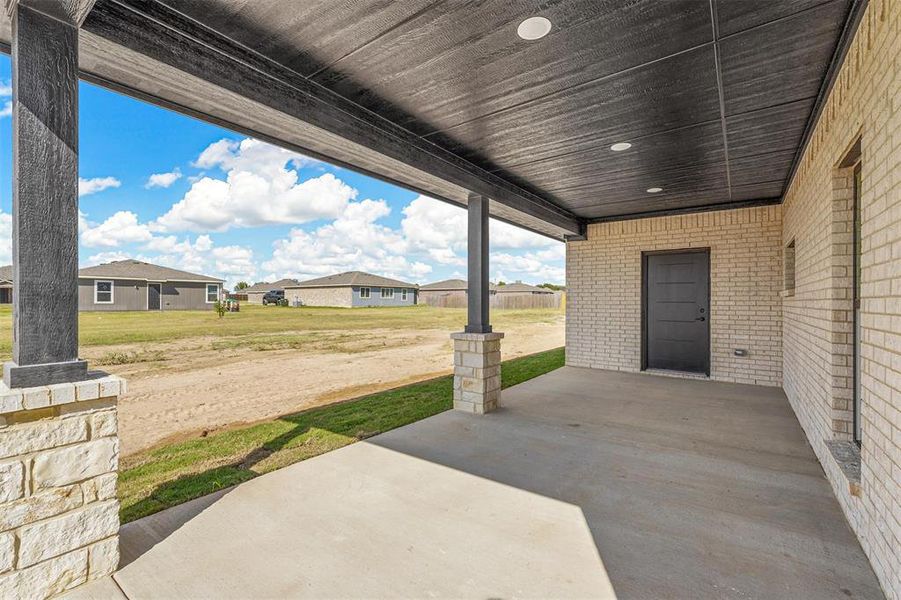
212,292
365,293
788,270
403,294
387,292
103,292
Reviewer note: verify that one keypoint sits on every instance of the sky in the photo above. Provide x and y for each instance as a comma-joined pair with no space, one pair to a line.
165,188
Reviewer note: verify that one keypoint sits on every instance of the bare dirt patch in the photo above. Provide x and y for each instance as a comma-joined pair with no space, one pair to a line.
190,387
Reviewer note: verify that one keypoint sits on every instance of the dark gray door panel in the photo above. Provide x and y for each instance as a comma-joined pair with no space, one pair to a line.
153,296
677,311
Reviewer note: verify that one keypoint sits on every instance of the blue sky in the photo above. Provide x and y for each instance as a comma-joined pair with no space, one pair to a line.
165,188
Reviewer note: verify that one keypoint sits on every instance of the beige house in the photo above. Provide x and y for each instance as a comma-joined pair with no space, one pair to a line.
256,292
520,289
137,285
352,289
447,291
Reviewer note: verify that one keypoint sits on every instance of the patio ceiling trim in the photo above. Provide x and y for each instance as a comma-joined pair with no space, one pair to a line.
668,212
855,16
170,38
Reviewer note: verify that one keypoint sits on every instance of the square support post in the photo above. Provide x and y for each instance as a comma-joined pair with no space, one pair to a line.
477,350
59,431
45,196
477,263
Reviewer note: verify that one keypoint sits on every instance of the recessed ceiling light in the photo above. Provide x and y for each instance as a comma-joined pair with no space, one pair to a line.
620,146
654,190
534,28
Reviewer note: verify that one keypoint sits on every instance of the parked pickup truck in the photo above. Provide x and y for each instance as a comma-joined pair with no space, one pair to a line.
276,297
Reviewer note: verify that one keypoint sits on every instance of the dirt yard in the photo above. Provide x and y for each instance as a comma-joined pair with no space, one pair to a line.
188,387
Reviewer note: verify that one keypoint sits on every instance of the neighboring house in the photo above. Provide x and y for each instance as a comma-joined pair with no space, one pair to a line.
353,288
447,291
135,285
522,289
256,291
6,284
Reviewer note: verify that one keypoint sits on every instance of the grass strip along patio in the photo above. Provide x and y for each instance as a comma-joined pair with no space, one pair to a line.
169,475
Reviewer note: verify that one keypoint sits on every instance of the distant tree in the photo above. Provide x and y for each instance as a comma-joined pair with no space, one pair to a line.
241,285
551,286
501,282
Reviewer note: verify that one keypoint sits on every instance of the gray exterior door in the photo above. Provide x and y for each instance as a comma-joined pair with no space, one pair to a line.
677,311
153,296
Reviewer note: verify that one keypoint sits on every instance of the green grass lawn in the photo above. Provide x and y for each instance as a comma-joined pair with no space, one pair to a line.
103,329
175,473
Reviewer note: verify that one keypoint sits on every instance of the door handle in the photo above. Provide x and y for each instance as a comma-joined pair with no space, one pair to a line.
699,319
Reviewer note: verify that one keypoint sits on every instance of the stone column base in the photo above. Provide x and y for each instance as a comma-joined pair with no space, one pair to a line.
59,459
477,371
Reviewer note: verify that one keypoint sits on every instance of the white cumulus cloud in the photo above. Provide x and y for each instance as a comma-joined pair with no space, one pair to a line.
432,224
6,238
6,91
97,184
354,241
163,180
261,187
120,228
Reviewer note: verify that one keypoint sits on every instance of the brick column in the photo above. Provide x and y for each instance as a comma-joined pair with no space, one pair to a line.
477,371
59,516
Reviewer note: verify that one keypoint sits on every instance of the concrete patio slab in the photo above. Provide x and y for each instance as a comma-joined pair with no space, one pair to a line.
586,484
99,589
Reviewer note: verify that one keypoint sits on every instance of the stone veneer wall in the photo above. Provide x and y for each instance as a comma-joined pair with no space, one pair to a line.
59,516
603,284
477,371
865,104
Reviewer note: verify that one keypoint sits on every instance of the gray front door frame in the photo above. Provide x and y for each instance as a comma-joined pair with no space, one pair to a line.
703,314
155,300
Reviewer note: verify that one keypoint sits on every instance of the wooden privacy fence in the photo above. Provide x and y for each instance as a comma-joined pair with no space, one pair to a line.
498,301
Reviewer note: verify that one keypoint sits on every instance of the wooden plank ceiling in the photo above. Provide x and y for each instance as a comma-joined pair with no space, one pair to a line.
713,95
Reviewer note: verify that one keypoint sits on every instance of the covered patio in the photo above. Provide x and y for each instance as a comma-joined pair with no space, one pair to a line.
724,176
586,484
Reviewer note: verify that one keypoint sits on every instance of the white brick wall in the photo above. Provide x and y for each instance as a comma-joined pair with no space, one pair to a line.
865,103
59,516
815,323
603,326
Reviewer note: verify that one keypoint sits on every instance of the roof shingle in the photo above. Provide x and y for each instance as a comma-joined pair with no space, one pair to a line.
353,278
136,269
265,286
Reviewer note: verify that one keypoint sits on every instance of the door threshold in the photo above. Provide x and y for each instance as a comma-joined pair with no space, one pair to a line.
678,374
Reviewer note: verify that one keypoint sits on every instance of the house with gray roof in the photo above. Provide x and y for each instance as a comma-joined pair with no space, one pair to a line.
521,289
136,285
352,289
448,290
6,284
256,291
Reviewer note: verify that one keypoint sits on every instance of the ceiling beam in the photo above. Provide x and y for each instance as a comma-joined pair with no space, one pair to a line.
166,36
72,12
